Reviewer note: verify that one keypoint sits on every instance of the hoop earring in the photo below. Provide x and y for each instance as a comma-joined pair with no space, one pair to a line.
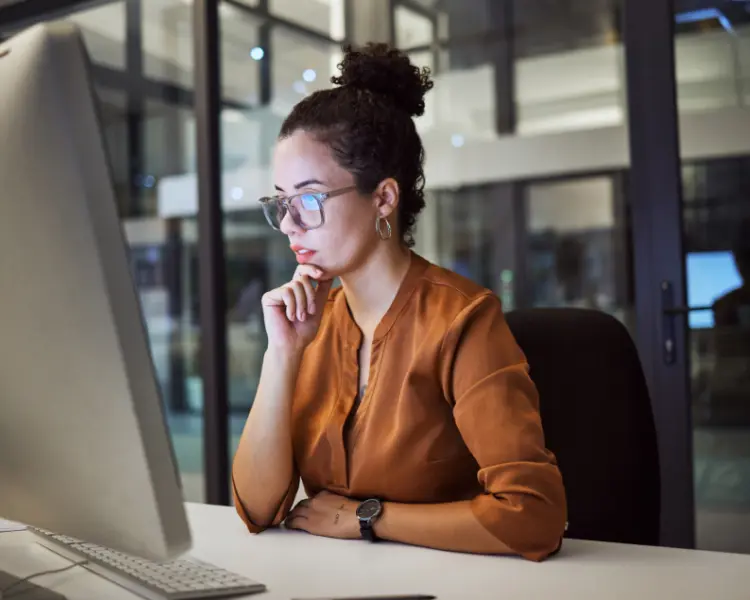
379,228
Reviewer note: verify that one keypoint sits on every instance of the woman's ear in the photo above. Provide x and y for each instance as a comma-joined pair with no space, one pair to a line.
387,196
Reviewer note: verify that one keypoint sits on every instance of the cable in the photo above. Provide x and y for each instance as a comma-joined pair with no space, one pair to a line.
5,590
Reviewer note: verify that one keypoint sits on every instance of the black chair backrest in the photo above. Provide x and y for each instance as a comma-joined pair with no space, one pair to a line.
598,420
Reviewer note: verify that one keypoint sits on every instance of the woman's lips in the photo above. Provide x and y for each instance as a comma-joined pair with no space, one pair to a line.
304,255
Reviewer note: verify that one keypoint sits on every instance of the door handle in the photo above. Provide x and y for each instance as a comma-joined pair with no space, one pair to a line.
669,312
684,310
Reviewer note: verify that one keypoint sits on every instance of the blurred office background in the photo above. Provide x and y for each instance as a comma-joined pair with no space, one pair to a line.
528,172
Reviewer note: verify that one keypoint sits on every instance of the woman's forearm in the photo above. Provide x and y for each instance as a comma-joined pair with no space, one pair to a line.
449,526
263,464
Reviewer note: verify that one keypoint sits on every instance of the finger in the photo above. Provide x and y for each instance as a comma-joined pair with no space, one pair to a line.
300,298
309,293
290,302
301,505
273,297
309,270
296,521
300,511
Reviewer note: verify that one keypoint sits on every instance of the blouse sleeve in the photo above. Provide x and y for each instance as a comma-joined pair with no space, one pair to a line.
496,408
281,513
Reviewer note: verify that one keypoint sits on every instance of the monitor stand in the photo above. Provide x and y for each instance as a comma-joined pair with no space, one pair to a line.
26,590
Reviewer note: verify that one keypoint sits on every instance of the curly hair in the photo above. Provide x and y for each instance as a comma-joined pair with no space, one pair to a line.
367,121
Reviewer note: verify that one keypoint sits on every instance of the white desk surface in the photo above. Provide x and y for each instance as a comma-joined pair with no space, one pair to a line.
298,565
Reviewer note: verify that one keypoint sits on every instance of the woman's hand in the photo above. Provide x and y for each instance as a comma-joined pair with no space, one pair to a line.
327,515
292,312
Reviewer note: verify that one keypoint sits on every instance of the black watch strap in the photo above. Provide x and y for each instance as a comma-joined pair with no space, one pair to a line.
367,531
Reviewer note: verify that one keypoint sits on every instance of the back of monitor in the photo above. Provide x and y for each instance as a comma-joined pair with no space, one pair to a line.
84,446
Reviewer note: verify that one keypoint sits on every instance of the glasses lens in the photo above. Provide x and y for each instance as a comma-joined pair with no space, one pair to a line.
307,210
274,211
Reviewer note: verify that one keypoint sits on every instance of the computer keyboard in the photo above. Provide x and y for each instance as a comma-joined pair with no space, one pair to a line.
181,579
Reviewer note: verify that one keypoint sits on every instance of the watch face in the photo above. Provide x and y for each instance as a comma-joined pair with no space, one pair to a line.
369,509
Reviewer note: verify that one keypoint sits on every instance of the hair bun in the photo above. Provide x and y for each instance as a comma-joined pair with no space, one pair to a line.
383,70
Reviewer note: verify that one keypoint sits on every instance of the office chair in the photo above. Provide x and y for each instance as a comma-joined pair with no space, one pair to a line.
598,421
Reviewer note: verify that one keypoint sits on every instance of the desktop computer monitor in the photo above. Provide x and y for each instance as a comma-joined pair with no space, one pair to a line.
84,446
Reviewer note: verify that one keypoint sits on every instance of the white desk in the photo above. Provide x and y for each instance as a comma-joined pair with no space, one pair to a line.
294,564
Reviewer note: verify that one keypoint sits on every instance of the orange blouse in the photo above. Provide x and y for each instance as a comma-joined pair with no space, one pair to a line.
450,413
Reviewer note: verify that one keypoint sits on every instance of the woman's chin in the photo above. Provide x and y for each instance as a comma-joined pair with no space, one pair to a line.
339,267
327,274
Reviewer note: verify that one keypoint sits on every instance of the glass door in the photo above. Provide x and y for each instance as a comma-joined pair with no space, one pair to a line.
716,227
712,72
689,98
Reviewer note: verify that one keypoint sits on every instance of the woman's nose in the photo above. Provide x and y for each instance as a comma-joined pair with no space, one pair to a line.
288,226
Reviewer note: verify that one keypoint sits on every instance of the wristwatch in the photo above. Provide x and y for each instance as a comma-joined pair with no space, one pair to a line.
368,512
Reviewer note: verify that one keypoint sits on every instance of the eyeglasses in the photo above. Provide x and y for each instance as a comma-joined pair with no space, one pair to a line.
306,208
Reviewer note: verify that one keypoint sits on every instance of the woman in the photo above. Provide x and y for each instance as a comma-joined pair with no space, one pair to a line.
400,398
